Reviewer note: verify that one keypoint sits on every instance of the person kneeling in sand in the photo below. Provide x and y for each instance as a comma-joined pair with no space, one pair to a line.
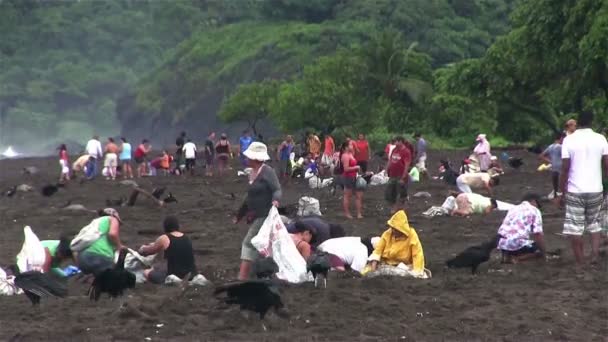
471,203
301,237
398,248
177,250
349,252
522,231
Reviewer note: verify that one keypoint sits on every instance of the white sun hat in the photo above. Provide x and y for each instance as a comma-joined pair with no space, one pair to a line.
257,151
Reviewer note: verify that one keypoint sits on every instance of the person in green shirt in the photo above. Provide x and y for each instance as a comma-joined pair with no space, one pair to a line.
471,203
57,251
99,255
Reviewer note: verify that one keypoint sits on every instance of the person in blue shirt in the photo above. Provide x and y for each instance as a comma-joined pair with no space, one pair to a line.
283,153
244,143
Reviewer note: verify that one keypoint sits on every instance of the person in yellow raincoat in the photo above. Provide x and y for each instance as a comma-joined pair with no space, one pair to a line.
398,244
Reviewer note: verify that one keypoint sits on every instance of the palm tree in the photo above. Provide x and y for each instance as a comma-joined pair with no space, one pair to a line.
388,63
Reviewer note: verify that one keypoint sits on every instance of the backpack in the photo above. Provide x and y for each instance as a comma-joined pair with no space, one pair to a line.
87,236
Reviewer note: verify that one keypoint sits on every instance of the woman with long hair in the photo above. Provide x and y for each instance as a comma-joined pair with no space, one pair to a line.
125,158
222,152
348,170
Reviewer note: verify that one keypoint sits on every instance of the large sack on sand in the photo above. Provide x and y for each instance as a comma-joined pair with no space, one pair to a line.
273,240
32,254
309,206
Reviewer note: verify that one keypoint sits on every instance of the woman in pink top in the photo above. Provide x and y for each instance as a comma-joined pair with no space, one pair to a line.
64,162
348,169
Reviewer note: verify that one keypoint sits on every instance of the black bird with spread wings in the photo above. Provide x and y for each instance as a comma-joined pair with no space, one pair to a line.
113,281
474,256
157,192
319,265
258,296
36,285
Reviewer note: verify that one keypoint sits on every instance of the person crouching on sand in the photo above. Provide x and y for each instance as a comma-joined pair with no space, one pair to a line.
399,244
177,250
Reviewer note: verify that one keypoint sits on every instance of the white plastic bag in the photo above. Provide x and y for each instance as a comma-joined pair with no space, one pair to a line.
317,183
273,240
309,206
379,179
32,254
7,285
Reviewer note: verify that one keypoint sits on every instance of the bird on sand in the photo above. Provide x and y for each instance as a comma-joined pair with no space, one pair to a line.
10,192
258,296
113,281
265,268
515,163
319,265
36,285
49,190
157,192
474,256
170,199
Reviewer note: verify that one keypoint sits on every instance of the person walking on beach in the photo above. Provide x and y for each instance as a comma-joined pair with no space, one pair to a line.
125,158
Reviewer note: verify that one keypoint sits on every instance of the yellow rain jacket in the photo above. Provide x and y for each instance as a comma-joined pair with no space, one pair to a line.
393,250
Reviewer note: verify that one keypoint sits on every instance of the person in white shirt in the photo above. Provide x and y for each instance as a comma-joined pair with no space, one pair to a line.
467,182
95,152
348,252
189,150
584,155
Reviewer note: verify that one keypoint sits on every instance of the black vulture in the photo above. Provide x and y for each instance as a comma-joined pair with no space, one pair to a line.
49,190
515,163
473,256
265,268
170,199
319,265
11,191
157,192
36,285
113,281
253,295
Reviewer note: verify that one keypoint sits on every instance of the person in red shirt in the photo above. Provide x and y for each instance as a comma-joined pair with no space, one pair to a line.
64,162
397,170
140,157
348,170
362,153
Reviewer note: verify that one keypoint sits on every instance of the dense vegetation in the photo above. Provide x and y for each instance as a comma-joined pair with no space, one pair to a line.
449,68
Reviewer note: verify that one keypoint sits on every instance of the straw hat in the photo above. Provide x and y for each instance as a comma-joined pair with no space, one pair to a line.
257,151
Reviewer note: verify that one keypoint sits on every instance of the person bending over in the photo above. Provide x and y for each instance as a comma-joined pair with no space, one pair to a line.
522,231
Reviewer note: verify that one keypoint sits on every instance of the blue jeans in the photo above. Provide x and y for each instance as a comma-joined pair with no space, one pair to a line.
92,168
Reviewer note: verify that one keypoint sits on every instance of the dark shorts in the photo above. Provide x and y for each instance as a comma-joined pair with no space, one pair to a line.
348,183
91,263
190,163
140,160
533,248
363,166
209,159
395,190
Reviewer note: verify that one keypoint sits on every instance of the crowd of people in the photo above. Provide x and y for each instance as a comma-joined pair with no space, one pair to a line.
579,165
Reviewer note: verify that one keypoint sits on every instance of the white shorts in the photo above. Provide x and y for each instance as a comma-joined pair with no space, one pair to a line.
421,164
64,166
111,160
463,187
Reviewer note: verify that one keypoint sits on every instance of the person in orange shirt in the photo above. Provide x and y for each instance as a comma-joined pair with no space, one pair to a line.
111,161
362,153
165,162
314,145
327,159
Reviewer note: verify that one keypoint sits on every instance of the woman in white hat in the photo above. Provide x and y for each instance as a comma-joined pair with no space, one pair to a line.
264,192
